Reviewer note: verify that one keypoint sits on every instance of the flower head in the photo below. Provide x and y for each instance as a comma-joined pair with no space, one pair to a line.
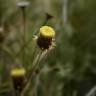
45,38
18,78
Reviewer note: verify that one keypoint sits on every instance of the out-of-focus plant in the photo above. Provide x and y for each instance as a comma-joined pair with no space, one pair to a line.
20,76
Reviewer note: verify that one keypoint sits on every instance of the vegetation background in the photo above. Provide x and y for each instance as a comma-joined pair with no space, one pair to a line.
69,69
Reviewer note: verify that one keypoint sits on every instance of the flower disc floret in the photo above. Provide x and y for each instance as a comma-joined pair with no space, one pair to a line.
18,72
47,31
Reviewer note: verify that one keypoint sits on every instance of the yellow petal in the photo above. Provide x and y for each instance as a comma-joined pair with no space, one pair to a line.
18,72
47,31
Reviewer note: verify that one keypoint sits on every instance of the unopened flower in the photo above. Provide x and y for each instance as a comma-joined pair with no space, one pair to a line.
45,37
23,4
18,78
48,16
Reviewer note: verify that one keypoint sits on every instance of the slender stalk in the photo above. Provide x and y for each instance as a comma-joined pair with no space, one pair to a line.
31,74
34,52
35,63
24,31
33,56
65,11
36,84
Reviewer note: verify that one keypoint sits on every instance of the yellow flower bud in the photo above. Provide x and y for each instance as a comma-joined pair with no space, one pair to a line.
45,38
18,78
47,31
18,72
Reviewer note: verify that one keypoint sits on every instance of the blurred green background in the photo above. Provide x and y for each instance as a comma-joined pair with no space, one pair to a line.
69,69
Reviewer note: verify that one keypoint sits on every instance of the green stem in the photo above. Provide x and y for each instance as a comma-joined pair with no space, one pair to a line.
37,61
24,31
36,64
34,52
31,74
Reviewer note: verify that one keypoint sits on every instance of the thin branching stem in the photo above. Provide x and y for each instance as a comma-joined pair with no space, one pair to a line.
31,74
24,31
33,55
36,63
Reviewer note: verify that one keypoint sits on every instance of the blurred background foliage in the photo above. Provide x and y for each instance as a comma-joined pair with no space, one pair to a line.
69,69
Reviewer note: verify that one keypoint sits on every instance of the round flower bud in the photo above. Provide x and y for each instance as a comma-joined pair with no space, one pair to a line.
44,40
18,78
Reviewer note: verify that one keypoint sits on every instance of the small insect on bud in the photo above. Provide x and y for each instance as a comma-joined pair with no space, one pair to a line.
45,38
48,16
18,78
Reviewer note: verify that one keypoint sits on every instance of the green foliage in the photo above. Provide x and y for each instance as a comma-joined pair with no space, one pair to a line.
69,69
